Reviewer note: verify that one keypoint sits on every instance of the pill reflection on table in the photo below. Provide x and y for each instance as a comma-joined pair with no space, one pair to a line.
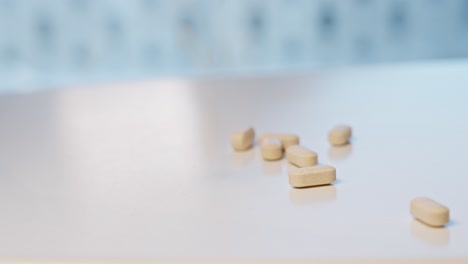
241,159
340,152
429,235
309,196
272,167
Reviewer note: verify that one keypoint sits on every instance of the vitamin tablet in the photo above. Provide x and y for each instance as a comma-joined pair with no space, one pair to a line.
286,139
312,176
243,140
271,149
301,156
429,211
339,135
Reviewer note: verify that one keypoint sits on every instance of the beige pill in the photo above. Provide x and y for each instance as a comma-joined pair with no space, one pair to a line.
243,140
301,156
271,149
339,135
312,176
286,139
429,211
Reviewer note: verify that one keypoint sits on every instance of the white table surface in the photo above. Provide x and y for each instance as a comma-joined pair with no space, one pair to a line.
144,170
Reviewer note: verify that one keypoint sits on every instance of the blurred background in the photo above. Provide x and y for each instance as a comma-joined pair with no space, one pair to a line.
57,43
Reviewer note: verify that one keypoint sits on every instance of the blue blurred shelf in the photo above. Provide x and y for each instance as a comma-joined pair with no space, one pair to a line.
170,37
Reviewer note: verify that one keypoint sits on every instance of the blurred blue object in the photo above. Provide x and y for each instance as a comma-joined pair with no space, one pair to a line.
47,43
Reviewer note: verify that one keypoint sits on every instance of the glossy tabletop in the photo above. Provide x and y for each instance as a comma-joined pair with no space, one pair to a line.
145,171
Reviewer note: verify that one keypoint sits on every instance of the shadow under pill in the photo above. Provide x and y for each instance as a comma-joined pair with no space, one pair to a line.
340,152
432,236
337,182
450,223
312,195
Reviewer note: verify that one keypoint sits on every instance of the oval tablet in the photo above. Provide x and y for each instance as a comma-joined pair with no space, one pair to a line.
339,135
243,140
312,176
429,211
286,139
301,156
271,149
